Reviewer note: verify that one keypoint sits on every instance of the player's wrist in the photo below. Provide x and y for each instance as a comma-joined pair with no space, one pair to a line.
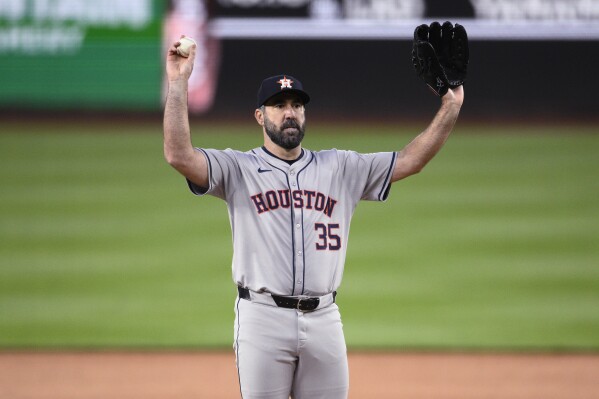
453,98
179,83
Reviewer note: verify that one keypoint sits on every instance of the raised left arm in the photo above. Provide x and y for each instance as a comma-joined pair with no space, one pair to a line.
414,156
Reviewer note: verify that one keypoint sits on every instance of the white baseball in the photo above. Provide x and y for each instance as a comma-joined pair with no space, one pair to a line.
185,47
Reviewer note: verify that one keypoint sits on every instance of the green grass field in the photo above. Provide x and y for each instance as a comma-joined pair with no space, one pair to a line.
495,245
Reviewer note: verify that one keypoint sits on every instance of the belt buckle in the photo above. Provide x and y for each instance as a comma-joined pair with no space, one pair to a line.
310,303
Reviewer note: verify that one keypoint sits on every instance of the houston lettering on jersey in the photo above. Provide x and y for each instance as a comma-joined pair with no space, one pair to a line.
275,199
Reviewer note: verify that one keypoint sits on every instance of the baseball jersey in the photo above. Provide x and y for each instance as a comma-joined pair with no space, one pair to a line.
290,223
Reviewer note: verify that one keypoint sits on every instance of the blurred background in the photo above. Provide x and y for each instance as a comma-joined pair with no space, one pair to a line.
494,246
531,59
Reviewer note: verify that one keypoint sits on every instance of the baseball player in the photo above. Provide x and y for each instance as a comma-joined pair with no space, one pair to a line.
290,210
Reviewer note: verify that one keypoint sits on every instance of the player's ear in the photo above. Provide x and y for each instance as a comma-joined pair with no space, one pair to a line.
259,115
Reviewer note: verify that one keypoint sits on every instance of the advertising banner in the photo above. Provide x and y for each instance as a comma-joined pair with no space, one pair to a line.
56,54
394,19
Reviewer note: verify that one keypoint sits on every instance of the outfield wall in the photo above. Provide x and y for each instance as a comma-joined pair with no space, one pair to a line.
507,79
375,79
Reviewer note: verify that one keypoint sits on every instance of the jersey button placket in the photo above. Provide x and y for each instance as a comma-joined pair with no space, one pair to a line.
299,241
302,333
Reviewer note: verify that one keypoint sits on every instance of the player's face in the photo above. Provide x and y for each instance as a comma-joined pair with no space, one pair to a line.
285,121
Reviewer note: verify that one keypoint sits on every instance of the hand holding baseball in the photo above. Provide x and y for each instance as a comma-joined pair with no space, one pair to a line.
185,45
180,59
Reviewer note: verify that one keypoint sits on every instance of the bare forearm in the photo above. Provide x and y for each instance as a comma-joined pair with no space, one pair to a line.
177,137
414,157
428,143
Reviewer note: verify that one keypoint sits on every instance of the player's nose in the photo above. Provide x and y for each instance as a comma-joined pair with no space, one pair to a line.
290,112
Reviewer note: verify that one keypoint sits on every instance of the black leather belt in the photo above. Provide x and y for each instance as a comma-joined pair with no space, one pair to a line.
306,304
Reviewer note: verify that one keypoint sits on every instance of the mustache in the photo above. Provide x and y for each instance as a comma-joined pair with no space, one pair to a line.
290,123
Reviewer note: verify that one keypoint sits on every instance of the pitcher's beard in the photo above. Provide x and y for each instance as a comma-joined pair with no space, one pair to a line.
287,140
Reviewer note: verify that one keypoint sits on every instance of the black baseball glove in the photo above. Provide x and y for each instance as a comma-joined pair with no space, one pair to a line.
440,55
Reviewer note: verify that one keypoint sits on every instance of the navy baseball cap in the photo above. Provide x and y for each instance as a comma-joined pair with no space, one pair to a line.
278,84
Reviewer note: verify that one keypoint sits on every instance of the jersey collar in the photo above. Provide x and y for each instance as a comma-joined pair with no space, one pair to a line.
273,160
284,160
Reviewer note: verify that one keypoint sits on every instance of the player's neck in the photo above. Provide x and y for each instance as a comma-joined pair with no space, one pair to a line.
283,153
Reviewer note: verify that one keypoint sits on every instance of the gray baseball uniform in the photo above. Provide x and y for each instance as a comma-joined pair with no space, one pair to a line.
290,225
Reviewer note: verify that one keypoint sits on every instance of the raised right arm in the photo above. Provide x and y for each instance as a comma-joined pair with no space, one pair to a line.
178,150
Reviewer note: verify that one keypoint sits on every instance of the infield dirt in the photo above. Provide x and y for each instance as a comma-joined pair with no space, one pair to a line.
169,375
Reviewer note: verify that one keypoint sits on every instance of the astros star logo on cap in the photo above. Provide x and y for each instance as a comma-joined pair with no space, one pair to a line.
285,82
